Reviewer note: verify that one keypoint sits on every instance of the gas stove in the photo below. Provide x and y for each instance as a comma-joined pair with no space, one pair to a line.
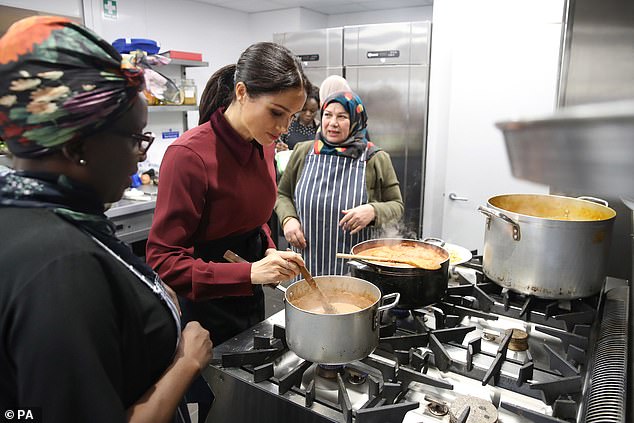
481,354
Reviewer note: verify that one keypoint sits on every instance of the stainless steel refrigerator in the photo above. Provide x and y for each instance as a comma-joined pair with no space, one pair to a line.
320,50
388,66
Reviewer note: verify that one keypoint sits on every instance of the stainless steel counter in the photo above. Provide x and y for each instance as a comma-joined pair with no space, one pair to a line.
133,218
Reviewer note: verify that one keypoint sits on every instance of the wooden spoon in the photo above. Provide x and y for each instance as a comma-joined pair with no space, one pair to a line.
325,302
420,263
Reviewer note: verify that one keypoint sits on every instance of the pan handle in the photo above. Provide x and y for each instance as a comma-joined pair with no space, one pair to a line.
393,303
594,200
435,241
489,213
280,287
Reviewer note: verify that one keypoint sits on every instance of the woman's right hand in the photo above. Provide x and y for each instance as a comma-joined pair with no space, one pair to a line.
294,234
276,266
195,345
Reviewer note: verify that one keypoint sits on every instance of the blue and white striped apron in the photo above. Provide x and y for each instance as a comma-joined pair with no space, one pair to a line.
328,185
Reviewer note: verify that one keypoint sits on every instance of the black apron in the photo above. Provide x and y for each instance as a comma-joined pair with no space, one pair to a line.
228,316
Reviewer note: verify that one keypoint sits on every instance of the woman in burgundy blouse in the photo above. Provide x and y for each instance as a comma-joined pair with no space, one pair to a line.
218,189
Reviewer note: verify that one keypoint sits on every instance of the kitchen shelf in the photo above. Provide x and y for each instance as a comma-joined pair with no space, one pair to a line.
184,108
188,63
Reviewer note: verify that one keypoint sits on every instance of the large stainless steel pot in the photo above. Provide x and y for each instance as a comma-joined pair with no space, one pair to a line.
334,338
546,245
418,287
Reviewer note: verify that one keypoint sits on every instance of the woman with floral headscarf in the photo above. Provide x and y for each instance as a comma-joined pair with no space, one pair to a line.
337,187
89,333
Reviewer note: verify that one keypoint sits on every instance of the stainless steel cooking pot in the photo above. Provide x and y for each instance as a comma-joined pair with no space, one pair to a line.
334,338
546,245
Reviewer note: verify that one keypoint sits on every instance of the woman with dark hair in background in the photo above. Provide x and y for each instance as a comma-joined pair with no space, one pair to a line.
89,333
218,189
304,125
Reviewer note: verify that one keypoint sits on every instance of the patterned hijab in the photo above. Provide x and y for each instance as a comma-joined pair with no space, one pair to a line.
59,82
356,143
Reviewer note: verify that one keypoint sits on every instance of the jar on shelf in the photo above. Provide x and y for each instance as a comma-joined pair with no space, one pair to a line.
151,100
189,92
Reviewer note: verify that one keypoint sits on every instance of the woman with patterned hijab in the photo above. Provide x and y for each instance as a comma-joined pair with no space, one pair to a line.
337,188
89,332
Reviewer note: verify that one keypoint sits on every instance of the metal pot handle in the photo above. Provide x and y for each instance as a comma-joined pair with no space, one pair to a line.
392,304
435,241
280,287
489,213
594,200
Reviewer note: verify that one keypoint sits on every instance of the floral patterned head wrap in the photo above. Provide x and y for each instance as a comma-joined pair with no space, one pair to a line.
356,143
59,82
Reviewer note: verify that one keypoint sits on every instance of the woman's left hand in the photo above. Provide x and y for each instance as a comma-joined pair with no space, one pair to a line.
357,218
280,146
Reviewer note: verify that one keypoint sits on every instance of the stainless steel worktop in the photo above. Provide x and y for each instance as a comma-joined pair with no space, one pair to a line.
133,218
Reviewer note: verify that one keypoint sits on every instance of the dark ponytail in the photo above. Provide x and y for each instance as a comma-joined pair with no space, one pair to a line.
264,68
218,92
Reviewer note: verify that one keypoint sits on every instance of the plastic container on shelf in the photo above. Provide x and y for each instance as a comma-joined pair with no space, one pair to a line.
126,45
189,92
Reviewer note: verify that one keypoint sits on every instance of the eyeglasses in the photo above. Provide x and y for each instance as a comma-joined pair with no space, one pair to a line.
144,141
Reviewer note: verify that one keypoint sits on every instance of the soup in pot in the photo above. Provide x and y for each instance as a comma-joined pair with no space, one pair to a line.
344,302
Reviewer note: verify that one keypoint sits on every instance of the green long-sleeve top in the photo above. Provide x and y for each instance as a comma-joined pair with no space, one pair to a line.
384,193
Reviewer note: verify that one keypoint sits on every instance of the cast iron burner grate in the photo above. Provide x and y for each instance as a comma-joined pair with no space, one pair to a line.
385,398
414,341
558,384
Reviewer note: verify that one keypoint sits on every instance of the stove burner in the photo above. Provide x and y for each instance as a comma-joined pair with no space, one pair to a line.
329,371
356,378
489,335
480,411
519,340
399,313
436,407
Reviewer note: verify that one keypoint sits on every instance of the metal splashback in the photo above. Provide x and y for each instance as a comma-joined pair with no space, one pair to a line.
598,62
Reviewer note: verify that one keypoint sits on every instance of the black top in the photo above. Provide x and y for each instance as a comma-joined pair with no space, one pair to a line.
298,132
80,335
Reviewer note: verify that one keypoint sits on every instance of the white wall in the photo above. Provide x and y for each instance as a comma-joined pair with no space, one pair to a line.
262,25
58,7
406,14
220,34
491,61
312,20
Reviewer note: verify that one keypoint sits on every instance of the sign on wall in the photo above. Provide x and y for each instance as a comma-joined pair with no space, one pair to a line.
110,9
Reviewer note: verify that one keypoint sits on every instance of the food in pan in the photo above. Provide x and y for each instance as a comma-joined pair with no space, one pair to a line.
425,258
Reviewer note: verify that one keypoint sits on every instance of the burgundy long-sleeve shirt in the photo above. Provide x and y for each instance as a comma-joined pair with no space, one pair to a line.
214,184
